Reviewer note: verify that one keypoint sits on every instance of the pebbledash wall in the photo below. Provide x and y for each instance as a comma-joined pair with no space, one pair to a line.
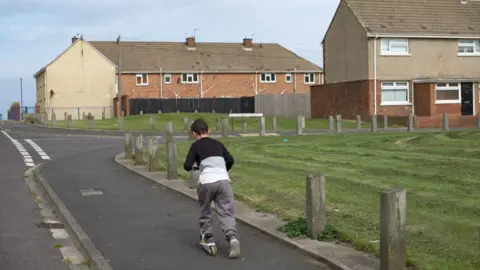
357,97
214,85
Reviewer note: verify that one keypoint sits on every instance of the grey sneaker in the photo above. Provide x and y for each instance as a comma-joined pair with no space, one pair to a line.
234,248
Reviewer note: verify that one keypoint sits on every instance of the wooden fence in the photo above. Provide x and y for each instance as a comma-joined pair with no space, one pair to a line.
286,105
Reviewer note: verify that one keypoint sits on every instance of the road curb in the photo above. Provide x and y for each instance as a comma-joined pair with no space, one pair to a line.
79,237
330,262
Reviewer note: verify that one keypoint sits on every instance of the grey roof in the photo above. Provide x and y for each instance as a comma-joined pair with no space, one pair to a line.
449,18
207,57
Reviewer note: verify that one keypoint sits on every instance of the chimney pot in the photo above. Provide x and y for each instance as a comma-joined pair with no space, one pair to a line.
190,42
74,39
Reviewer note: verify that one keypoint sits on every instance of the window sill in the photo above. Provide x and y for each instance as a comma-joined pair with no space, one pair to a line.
395,104
143,84
268,82
190,82
167,83
468,54
395,54
448,102
312,83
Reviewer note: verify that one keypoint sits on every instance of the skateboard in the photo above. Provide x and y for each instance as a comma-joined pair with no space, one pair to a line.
210,248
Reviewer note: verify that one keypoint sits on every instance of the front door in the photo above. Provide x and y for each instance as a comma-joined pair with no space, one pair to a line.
467,98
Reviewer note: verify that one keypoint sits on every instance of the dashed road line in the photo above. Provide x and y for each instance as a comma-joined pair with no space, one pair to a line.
38,149
26,156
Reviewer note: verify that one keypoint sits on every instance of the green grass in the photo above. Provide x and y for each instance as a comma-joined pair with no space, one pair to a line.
142,122
440,172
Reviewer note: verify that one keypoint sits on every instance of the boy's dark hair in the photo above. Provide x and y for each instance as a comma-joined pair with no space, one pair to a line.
200,127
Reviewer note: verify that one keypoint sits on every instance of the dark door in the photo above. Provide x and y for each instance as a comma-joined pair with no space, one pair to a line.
467,98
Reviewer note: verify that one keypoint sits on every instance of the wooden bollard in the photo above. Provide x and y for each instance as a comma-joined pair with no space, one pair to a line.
128,146
244,125
193,178
299,125
274,123
373,124
152,123
338,124
69,121
410,122
392,229
315,205
359,121
139,150
330,122
172,168
385,121
92,122
152,155
262,126
445,121
225,127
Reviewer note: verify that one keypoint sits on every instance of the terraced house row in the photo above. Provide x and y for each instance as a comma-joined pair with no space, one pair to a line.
398,56
86,73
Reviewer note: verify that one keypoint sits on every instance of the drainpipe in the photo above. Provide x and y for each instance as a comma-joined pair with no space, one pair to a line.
161,83
375,74
413,97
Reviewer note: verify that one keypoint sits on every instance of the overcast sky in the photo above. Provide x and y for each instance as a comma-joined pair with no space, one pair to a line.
33,32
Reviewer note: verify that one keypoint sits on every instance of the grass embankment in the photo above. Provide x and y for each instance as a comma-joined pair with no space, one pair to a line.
439,170
142,122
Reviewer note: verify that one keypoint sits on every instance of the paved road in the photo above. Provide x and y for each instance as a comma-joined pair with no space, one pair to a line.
23,246
137,224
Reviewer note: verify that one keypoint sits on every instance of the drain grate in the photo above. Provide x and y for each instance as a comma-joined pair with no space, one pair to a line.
49,225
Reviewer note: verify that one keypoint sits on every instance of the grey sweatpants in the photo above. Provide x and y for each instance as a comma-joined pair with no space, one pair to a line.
221,193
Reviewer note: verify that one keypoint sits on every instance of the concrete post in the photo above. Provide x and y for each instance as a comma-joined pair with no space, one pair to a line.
262,126
92,122
152,123
172,166
152,155
478,120
303,122
315,205
103,115
120,123
191,137
54,120
225,128
392,229
359,121
185,124
244,125
233,124
410,122
338,124
373,124
330,122
299,125
274,123
128,146
445,121
141,112
69,121
385,121
65,115
218,124
139,150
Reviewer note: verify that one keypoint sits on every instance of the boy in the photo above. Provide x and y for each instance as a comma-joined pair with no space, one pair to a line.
214,162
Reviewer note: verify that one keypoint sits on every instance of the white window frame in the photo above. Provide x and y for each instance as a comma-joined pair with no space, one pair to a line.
308,75
169,76
288,75
143,83
190,76
473,44
268,77
394,42
395,85
449,87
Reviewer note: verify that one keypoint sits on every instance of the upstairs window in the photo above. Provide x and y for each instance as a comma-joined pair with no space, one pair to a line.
309,78
268,78
469,47
288,77
142,79
190,78
395,46
168,78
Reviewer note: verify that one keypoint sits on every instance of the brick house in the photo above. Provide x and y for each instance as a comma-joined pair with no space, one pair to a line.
398,56
193,69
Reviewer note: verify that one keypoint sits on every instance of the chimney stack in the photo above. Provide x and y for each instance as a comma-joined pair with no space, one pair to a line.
247,44
190,42
75,38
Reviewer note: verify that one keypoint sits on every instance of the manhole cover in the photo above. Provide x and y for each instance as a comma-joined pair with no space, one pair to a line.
91,192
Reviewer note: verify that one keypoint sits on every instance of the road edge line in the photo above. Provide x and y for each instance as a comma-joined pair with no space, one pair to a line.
332,263
79,237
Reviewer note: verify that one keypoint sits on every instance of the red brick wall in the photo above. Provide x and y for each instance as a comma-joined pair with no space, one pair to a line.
453,121
346,99
214,85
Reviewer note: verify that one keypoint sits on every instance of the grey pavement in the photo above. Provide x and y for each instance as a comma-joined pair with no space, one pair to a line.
138,224
23,246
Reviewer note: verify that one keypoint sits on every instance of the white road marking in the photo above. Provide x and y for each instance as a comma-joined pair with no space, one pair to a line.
38,149
26,156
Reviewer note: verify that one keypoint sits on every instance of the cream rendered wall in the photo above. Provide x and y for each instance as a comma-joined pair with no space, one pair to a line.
40,90
83,81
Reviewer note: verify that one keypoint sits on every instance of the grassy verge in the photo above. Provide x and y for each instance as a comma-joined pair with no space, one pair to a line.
439,170
142,122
